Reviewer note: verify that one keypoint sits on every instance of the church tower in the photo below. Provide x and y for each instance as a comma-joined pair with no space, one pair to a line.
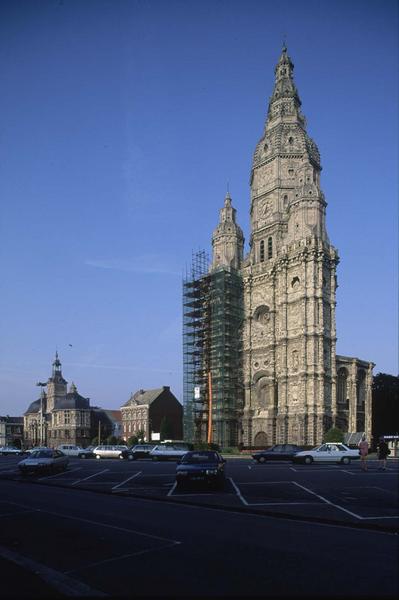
227,239
289,283
56,385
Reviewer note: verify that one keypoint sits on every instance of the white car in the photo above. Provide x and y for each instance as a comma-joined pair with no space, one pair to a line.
70,449
335,452
4,450
167,452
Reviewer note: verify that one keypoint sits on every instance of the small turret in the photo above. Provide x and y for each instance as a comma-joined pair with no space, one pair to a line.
227,239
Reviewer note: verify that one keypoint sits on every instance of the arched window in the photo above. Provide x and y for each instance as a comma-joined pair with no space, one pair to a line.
262,251
342,386
270,248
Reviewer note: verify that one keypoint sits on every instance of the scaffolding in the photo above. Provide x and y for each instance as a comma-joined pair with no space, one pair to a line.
212,353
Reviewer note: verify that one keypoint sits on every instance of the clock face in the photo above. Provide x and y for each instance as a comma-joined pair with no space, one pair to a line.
265,209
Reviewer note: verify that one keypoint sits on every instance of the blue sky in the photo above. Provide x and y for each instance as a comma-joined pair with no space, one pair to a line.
121,123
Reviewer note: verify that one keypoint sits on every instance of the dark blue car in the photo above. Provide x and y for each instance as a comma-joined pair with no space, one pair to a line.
202,467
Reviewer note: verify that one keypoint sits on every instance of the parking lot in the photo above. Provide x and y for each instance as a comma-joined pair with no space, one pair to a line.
326,493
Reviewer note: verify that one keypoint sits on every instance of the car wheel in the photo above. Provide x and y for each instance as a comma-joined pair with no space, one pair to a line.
121,457
262,459
82,455
130,457
308,460
98,456
346,460
155,458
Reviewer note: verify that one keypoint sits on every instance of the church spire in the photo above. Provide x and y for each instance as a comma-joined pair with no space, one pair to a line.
57,366
227,239
284,102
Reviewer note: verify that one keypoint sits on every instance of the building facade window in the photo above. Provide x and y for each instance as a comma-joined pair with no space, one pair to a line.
270,247
262,251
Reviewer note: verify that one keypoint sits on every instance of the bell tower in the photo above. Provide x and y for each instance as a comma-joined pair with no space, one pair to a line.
289,282
56,385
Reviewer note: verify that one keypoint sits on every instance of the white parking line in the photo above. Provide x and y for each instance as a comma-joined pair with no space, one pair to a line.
282,503
328,501
14,514
100,524
261,482
90,476
238,492
60,581
126,480
58,474
172,489
115,558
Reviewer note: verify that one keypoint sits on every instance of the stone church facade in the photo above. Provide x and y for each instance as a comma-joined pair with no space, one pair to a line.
295,385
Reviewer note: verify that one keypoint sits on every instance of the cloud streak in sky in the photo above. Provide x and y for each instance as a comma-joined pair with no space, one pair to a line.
147,264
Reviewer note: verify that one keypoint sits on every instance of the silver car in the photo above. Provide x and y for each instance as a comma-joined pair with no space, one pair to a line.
163,452
109,451
44,460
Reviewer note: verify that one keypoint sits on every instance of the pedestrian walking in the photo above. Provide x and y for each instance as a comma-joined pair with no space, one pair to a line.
383,452
363,451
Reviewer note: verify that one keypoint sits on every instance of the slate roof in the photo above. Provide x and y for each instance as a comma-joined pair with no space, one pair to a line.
34,407
142,397
113,415
72,400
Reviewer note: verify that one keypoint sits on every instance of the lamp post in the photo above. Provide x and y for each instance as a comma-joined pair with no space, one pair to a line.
41,425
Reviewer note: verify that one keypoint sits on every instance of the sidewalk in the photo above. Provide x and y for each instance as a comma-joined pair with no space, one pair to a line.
18,582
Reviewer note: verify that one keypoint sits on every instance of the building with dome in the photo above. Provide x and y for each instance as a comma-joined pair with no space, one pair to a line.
259,331
58,416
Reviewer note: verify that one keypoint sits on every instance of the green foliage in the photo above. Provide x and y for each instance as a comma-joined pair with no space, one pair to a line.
166,429
206,446
132,441
334,435
230,451
140,435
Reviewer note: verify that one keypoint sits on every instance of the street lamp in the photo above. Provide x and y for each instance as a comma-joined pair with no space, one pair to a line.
42,385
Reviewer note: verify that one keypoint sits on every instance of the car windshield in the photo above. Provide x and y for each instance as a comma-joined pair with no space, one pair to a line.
199,457
42,454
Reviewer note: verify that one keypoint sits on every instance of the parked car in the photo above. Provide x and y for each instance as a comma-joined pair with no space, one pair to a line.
201,467
5,450
138,451
109,451
277,452
30,450
69,449
168,452
332,452
44,460
86,452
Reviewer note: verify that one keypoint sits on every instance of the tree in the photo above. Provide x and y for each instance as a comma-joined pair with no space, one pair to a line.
132,441
166,429
334,435
140,435
385,405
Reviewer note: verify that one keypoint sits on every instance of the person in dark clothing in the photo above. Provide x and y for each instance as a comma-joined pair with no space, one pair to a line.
383,452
